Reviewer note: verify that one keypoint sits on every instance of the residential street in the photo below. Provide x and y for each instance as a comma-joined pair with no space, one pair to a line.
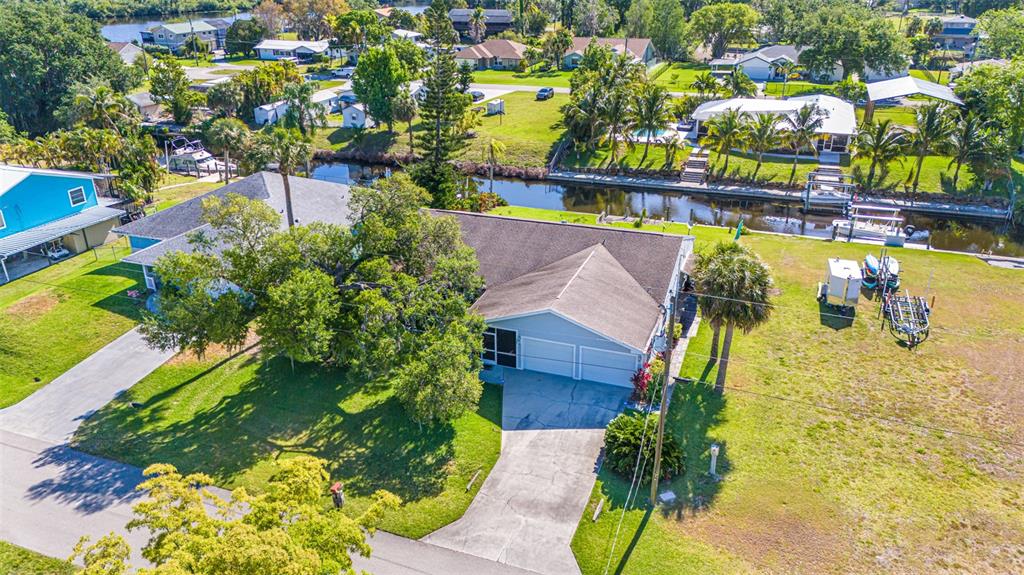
528,508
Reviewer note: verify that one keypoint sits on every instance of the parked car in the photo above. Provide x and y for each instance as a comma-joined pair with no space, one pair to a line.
344,73
349,98
477,95
545,93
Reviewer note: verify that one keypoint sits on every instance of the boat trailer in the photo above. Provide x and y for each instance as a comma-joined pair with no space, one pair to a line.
907,317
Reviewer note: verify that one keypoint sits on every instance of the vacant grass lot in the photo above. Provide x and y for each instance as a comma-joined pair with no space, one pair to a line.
233,417
797,88
937,176
678,76
529,129
820,475
17,561
551,78
56,317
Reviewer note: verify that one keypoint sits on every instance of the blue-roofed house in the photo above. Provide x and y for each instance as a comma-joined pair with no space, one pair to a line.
46,215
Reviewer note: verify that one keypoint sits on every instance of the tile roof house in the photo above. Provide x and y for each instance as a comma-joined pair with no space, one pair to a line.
495,21
583,302
497,54
641,49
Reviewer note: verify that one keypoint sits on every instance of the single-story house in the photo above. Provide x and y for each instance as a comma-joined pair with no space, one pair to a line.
641,49
170,230
584,302
299,50
274,111
761,65
495,21
965,67
355,116
148,107
835,134
127,51
498,54
173,36
46,215
399,34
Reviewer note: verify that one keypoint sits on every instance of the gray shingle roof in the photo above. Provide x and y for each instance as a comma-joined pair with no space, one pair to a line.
511,249
495,16
589,287
312,200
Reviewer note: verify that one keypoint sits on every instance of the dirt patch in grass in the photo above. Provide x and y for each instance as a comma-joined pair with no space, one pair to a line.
35,305
218,352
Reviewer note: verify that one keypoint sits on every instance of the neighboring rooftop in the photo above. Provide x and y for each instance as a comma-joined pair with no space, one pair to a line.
11,176
767,53
186,27
909,85
312,201
636,46
496,48
462,15
312,45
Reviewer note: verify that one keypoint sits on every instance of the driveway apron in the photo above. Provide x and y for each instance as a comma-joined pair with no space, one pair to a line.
527,510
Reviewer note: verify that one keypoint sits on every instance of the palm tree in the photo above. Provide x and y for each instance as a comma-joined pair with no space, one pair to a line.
741,283
650,112
786,69
100,106
493,153
582,118
617,121
705,84
881,143
740,85
709,306
477,24
404,109
725,132
672,146
803,132
290,152
228,134
764,134
931,133
966,142
303,113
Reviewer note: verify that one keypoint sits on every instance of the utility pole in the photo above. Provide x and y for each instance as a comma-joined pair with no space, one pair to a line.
667,375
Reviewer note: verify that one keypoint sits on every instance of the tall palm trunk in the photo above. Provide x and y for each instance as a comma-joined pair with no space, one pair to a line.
917,172
288,199
757,168
227,166
716,335
871,175
647,145
956,174
724,364
792,172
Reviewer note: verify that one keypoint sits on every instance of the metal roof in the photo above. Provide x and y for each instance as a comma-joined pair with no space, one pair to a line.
907,85
30,238
840,117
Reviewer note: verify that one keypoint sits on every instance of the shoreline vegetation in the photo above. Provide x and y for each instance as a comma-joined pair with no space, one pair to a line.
115,9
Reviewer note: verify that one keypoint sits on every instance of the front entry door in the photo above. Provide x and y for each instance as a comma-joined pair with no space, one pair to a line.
500,347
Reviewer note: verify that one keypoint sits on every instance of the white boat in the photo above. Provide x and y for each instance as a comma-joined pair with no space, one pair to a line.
873,223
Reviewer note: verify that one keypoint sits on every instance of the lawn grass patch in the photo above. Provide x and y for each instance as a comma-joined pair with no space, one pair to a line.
677,76
774,169
15,560
234,417
936,76
899,115
627,157
56,317
529,129
176,188
937,176
798,88
550,78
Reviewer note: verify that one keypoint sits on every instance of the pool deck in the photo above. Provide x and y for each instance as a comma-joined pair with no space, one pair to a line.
818,199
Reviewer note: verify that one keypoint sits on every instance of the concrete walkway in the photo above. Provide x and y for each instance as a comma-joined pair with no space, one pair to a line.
528,507
51,495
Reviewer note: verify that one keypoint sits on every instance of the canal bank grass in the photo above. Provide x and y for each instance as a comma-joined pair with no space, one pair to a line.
15,560
819,473
629,156
52,319
234,416
774,169
937,176
529,129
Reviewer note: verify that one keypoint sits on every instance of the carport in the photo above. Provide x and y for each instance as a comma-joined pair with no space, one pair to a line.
906,86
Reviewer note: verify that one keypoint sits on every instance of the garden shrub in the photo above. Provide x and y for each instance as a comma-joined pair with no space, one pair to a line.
622,443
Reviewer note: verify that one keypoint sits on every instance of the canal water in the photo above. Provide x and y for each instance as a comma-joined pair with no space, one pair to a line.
127,29
947,234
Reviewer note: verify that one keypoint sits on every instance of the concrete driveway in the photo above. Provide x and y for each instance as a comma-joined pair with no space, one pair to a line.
526,512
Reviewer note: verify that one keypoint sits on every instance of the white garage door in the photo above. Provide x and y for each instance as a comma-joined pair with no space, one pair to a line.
607,366
547,356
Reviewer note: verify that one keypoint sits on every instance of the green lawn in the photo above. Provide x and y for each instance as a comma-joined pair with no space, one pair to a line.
244,60
797,88
176,188
17,561
900,115
704,234
937,76
233,417
626,157
679,75
937,175
773,169
528,129
810,489
56,317
553,78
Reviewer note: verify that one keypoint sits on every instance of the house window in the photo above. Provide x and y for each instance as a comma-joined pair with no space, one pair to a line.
77,196
500,346
3,222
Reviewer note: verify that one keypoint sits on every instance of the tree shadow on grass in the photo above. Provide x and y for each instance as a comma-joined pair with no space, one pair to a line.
366,437
119,302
